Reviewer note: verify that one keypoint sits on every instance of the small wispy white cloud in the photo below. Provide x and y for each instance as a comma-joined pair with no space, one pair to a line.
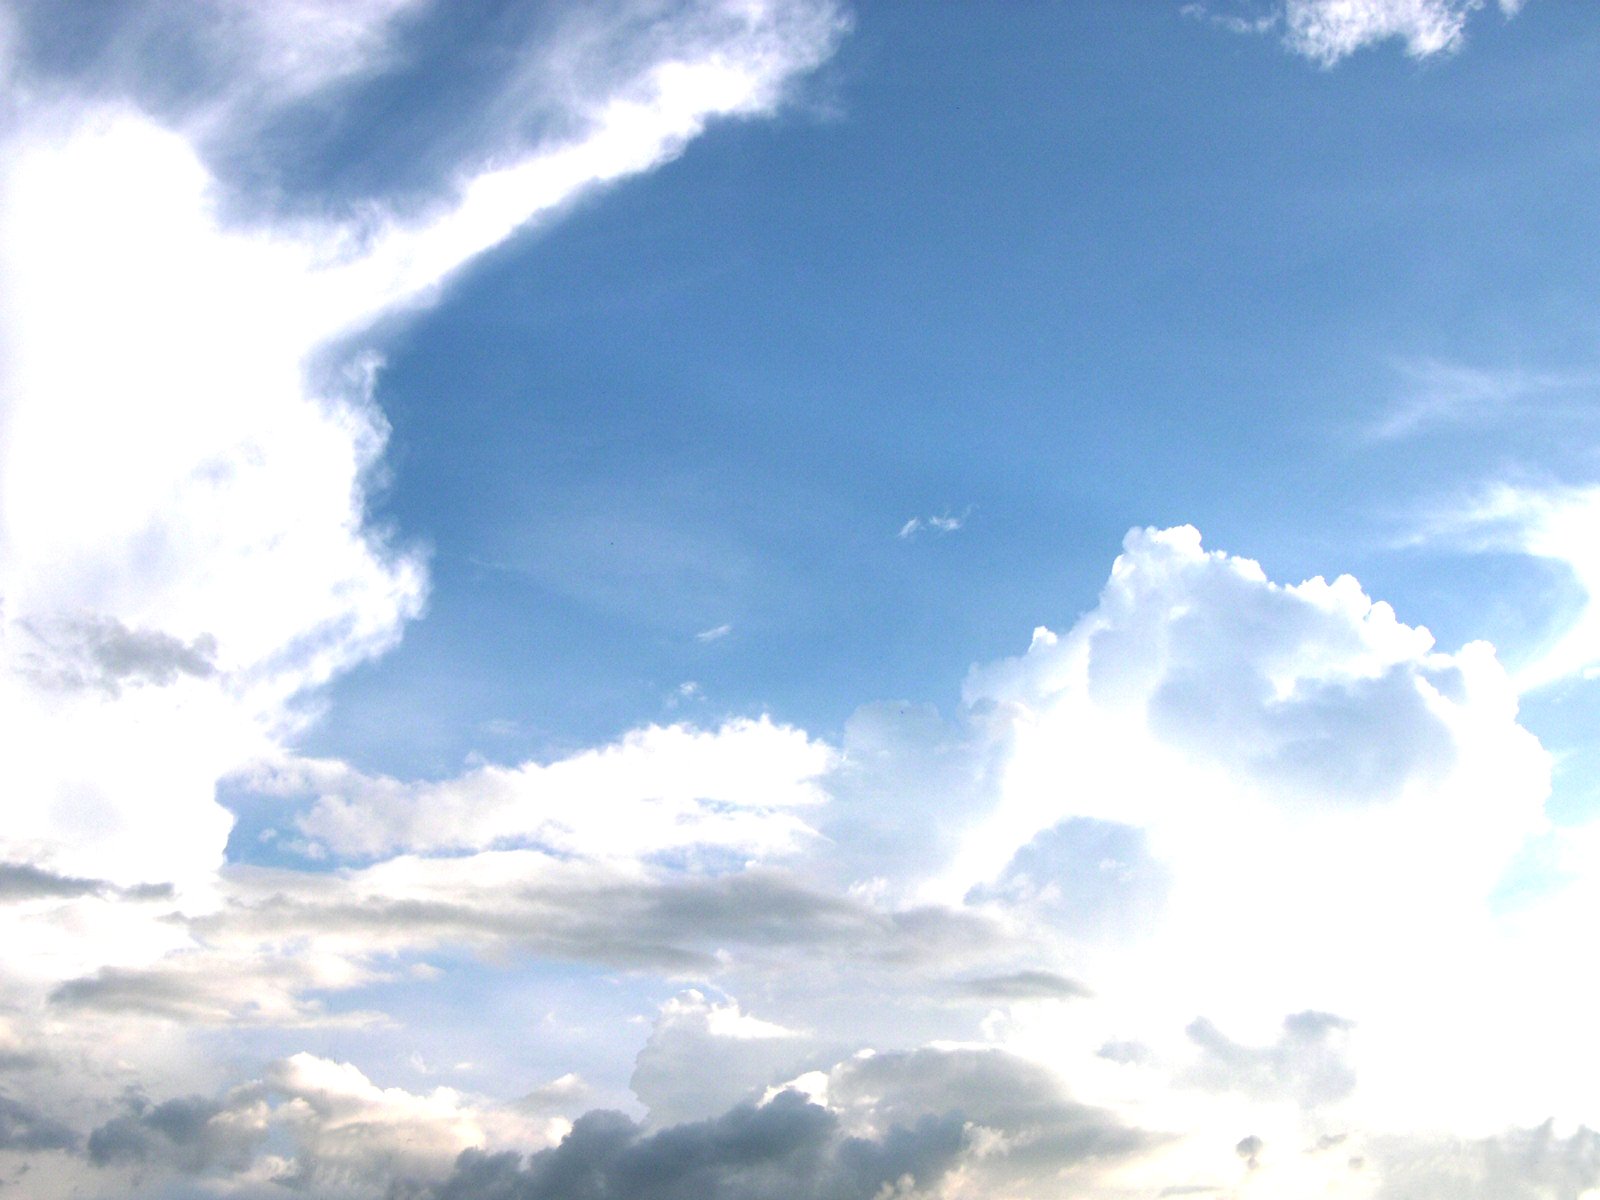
715,634
1437,393
685,692
1327,31
939,524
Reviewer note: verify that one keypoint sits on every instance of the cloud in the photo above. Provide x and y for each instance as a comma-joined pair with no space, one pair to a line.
1306,1063
1558,524
1442,393
704,1056
189,1134
1022,985
1327,31
283,942
1519,1164
342,1132
657,791
940,524
1015,1109
24,1128
1209,712
21,882
968,1120
189,438
715,634
785,1148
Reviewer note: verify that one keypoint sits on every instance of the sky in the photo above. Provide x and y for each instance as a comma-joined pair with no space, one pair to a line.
742,599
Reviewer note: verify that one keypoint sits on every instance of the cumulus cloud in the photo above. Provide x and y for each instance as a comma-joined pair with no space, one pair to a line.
1220,727
964,1120
704,1056
1030,1123
308,1123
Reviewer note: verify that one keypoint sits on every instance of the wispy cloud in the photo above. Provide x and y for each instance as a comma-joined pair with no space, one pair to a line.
937,524
1558,523
715,634
1436,393
1327,31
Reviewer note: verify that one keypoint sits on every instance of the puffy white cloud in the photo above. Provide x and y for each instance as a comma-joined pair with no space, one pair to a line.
657,791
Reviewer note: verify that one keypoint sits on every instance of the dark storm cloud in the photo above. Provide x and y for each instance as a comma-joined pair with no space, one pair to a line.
789,1149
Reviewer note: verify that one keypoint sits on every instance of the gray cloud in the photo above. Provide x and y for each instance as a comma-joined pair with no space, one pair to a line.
96,651
25,1128
1249,1149
205,990
1305,1064
252,966
789,1149
1022,985
582,914
1042,1128
22,881
190,1134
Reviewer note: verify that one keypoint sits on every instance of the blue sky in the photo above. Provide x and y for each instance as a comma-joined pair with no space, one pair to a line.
776,597
1095,270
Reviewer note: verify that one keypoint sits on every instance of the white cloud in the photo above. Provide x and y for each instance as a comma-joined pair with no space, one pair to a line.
715,634
1558,524
185,471
1327,31
1211,813
659,789
1439,393
705,1055
939,523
